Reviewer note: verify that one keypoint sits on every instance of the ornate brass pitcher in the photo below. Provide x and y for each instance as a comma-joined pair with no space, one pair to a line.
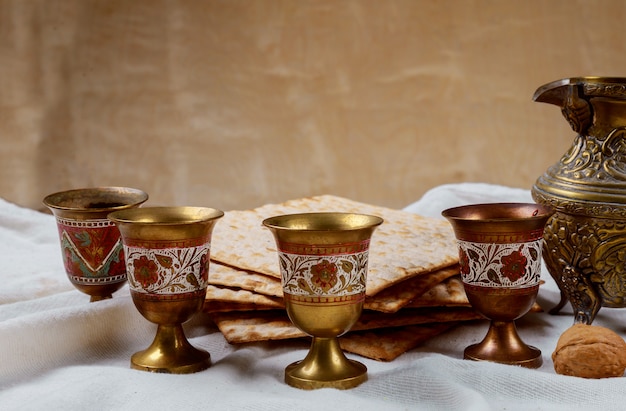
585,240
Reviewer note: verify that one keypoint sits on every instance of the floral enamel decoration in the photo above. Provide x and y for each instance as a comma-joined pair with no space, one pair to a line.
496,265
513,265
324,275
332,275
167,270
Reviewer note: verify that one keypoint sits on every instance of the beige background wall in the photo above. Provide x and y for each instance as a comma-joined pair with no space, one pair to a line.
234,104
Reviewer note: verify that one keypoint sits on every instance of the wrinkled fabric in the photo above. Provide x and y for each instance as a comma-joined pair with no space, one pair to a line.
58,351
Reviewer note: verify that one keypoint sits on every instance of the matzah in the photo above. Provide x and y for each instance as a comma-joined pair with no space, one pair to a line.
397,296
229,295
223,275
405,245
243,327
450,293
387,344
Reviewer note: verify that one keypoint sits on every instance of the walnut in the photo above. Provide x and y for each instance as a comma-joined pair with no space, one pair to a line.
590,351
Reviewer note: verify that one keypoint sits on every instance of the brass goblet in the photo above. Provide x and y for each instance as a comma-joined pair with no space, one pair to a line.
500,257
92,249
323,262
167,259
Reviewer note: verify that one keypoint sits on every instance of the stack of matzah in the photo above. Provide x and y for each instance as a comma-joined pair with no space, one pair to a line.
413,289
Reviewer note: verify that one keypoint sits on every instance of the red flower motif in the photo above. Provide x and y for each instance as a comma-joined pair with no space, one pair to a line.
324,275
513,265
464,262
145,271
204,267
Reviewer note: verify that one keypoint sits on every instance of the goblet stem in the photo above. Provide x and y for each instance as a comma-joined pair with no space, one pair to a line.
325,366
171,352
502,344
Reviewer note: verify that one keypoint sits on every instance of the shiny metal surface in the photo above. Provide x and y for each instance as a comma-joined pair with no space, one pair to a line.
584,240
500,260
91,247
168,263
323,259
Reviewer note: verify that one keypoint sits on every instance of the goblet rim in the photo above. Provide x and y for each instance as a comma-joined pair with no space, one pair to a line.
330,221
59,199
506,212
174,215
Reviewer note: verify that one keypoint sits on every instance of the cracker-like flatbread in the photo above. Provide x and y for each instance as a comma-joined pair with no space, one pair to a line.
397,296
389,300
225,306
253,326
241,327
445,294
223,275
387,344
229,295
410,316
405,245
450,293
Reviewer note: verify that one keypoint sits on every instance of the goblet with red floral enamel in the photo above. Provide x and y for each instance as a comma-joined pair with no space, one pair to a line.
92,249
323,261
167,259
500,248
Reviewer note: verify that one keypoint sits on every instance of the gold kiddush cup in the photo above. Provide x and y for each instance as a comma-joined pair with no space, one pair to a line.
92,248
500,258
323,262
167,260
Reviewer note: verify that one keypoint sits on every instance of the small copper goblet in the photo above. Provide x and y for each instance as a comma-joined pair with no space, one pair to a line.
323,262
167,259
500,257
92,249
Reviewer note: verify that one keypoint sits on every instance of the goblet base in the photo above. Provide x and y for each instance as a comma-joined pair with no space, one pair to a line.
95,298
503,345
325,366
98,292
171,353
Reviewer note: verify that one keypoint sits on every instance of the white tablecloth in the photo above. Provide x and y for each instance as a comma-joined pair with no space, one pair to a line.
58,351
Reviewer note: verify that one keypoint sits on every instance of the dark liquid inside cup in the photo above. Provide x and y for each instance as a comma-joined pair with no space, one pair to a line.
104,205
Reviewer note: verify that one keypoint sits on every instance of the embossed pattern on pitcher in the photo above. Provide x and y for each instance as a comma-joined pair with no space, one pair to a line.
584,248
